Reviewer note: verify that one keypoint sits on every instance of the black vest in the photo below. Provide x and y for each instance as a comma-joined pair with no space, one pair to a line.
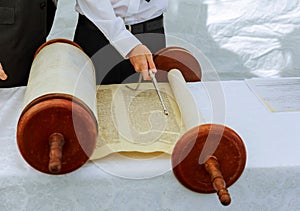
24,25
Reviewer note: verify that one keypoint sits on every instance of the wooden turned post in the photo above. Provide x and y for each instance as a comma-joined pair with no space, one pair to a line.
197,157
212,167
56,142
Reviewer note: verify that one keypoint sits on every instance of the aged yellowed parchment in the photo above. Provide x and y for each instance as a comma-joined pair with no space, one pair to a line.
134,121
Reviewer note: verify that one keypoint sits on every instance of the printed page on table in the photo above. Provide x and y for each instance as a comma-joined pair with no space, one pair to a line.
277,94
133,121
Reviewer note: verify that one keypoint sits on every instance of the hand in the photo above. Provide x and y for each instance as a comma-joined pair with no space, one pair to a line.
142,61
3,76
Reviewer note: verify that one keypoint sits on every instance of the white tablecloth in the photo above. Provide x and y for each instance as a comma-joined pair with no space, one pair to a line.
271,180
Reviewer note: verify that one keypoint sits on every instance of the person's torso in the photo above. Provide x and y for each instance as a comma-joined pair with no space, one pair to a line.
23,28
136,11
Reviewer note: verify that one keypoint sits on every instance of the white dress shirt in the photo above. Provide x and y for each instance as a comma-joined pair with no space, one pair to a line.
111,16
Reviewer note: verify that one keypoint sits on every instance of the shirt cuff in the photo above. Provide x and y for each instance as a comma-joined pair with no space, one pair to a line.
125,45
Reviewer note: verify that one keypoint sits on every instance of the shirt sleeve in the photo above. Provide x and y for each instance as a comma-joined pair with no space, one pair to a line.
102,15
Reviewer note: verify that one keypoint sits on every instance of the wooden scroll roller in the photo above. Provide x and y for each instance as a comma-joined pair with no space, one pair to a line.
57,128
209,158
179,58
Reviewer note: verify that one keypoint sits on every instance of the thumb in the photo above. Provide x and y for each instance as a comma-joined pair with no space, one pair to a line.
151,63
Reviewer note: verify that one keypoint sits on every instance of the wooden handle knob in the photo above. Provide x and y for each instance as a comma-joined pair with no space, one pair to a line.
56,142
212,167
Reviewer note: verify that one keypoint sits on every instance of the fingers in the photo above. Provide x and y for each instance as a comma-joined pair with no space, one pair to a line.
151,64
145,75
3,76
141,64
142,61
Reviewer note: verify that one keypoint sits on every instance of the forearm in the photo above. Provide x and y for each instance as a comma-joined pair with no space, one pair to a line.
113,27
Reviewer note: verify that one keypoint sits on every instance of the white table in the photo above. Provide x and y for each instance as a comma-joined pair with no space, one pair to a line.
271,180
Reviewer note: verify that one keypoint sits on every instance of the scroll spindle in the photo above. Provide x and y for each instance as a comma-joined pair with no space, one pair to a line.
54,102
56,142
221,146
212,167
